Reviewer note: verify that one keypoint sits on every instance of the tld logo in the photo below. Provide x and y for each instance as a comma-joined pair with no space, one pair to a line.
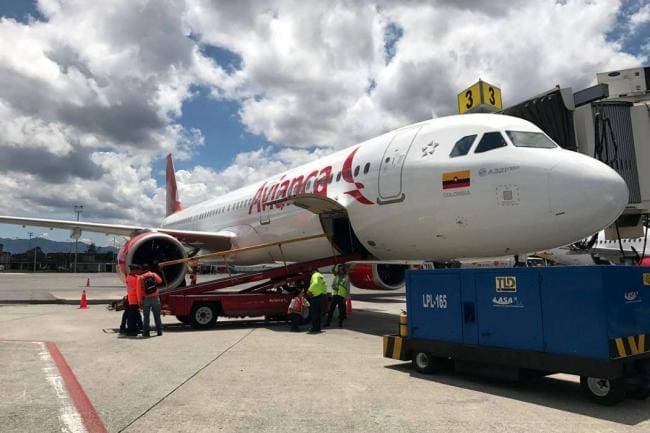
506,284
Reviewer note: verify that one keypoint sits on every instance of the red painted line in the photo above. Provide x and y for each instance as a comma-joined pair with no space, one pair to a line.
91,420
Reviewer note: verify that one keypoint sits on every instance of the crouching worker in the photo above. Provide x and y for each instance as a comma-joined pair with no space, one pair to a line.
149,297
298,311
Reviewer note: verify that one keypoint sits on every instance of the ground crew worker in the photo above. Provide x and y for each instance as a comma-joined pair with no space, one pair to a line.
149,299
340,291
298,311
132,310
316,294
194,270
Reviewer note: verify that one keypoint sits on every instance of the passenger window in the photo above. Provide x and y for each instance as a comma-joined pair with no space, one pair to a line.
462,146
338,176
490,141
366,168
356,171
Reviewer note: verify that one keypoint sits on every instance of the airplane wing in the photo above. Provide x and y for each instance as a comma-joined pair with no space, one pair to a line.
216,241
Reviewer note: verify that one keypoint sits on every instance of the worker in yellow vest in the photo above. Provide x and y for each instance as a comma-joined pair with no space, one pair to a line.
316,294
340,291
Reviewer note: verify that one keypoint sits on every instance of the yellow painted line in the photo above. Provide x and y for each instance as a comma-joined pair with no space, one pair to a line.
397,348
642,343
632,342
621,347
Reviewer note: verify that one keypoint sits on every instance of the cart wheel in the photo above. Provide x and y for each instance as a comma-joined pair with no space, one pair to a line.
203,316
185,320
607,392
424,362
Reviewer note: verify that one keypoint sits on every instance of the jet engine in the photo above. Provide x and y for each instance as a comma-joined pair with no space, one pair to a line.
151,248
377,276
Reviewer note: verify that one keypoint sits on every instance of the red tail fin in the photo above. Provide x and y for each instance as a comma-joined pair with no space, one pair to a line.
173,205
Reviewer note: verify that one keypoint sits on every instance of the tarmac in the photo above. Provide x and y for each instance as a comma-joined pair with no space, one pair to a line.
67,369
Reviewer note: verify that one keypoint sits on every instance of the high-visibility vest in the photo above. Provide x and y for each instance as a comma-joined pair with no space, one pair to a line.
132,289
317,284
340,286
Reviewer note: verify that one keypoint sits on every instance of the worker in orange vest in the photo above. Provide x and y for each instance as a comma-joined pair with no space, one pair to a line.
132,308
148,297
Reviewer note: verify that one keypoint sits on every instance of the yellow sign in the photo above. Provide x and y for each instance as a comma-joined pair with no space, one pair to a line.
646,279
506,284
491,95
469,98
479,93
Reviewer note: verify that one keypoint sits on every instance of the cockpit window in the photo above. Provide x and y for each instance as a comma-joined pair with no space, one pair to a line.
531,139
462,146
490,141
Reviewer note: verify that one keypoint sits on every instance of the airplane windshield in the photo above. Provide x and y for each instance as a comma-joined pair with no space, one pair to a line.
531,139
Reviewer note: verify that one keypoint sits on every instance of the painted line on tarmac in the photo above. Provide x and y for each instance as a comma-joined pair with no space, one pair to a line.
81,415
192,376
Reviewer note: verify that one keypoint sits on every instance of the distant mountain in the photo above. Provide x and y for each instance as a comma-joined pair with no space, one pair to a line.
17,246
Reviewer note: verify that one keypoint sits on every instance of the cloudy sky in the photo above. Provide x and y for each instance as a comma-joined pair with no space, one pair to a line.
93,95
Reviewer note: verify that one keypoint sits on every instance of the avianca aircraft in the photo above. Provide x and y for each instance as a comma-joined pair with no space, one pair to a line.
478,185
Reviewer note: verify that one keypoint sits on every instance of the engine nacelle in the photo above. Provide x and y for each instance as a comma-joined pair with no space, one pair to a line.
377,276
149,249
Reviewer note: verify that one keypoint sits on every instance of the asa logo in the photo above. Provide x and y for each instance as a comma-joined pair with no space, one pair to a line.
632,296
506,301
506,284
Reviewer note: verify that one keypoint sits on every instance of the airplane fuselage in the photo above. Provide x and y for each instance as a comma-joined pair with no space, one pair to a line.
406,198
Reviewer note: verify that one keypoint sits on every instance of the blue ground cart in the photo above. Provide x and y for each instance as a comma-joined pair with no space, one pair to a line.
592,321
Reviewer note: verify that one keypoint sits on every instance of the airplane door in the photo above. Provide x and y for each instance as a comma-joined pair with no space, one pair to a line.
392,164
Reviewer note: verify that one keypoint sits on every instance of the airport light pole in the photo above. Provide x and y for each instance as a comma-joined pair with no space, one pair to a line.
78,209
31,234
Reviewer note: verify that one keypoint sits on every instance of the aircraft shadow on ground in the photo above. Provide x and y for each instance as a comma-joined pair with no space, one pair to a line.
546,391
380,298
364,321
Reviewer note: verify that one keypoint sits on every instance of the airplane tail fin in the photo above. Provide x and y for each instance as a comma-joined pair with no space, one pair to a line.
173,204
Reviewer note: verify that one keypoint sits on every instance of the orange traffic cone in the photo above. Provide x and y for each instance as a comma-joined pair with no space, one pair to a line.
84,301
348,306
88,282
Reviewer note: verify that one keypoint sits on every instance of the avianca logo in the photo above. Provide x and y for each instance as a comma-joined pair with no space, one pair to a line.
274,193
346,175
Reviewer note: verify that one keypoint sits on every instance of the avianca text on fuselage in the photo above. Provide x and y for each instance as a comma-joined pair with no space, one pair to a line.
271,195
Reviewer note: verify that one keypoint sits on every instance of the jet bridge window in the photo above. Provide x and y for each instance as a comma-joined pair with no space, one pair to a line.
531,139
462,146
490,141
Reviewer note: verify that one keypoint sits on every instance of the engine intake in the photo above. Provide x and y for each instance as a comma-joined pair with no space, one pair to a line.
150,249
377,276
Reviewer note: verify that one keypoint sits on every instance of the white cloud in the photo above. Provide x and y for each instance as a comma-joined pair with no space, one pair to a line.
307,67
642,16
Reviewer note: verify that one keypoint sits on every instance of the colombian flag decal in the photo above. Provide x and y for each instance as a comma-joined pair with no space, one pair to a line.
455,179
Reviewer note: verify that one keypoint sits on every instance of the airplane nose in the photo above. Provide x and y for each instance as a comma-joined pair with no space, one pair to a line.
587,191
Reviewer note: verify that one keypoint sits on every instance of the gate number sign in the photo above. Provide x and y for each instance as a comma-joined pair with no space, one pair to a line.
479,93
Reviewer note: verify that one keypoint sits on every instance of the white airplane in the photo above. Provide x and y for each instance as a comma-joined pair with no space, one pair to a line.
478,185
